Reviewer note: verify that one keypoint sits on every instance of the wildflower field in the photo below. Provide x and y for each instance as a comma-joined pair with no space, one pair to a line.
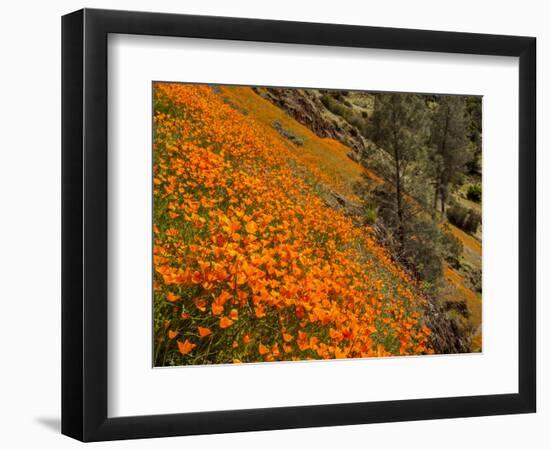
250,262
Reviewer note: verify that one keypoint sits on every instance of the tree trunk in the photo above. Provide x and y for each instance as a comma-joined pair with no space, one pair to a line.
398,187
398,197
443,179
437,193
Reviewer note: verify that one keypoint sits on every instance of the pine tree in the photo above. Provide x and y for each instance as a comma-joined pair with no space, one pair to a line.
474,110
449,139
400,128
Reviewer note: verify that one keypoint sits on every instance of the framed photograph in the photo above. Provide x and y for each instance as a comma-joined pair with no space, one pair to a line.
274,225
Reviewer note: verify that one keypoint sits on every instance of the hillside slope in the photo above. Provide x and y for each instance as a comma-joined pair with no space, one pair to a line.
329,160
251,264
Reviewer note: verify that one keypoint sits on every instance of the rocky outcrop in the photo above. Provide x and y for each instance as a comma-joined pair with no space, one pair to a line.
448,335
306,107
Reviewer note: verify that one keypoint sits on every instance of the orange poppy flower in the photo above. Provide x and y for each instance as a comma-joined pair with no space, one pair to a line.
185,346
171,297
225,322
172,334
203,332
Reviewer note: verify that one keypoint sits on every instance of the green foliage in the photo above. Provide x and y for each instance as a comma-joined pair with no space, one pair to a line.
370,215
473,275
451,248
295,139
339,106
332,105
459,179
228,101
449,139
422,250
473,222
464,218
399,126
418,248
474,193
473,112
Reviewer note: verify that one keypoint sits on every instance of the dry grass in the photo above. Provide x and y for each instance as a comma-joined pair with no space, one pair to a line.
326,158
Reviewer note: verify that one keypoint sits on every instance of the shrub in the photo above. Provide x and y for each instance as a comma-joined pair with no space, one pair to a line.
371,214
464,218
297,140
473,221
228,101
476,280
459,179
333,105
358,122
348,114
457,215
473,275
474,193
451,249
420,250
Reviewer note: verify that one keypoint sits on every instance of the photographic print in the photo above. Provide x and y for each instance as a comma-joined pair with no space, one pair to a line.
294,224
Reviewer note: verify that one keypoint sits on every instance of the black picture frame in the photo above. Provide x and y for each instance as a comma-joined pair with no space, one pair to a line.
84,224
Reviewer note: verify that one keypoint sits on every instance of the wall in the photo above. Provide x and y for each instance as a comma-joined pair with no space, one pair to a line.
30,236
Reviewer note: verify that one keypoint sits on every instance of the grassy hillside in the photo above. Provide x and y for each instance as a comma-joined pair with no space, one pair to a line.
324,157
